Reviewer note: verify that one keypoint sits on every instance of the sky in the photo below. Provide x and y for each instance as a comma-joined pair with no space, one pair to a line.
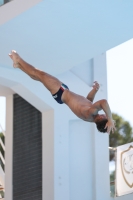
119,79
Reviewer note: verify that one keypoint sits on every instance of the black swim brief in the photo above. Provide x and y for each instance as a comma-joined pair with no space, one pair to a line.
57,95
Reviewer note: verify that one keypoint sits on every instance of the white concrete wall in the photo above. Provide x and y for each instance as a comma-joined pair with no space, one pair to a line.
81,160
14,8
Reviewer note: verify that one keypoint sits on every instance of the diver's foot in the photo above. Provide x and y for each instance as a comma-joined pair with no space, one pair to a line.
15,57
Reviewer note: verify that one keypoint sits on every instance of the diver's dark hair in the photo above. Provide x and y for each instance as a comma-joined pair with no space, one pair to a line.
101,126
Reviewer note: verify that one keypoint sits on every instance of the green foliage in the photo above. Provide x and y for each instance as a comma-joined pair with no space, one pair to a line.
2,137
122,135
112,185
112,176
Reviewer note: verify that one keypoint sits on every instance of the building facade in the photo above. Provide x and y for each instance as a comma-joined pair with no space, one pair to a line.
50,153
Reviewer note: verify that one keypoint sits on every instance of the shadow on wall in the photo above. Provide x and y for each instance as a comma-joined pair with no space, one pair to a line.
2,2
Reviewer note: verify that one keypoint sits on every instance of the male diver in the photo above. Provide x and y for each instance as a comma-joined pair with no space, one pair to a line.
82,107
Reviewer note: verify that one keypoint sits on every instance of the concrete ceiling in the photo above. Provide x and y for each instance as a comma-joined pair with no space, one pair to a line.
57,35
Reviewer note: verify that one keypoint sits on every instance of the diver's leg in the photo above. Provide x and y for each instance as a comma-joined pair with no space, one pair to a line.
50,82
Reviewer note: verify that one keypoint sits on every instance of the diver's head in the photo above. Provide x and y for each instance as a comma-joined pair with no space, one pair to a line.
101,121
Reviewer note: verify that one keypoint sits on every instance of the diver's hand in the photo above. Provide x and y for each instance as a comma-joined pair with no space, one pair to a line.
96,86
110,125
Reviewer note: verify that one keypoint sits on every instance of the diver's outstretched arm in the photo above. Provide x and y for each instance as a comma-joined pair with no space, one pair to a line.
93,92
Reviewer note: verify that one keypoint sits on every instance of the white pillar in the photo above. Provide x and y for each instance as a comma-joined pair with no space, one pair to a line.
48,155
9,149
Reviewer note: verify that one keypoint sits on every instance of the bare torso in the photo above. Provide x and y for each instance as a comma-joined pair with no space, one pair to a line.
78,104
